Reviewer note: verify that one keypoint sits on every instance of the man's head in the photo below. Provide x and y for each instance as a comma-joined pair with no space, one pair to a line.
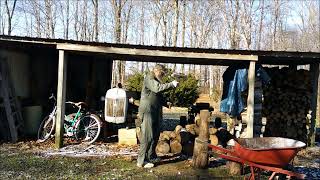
159,70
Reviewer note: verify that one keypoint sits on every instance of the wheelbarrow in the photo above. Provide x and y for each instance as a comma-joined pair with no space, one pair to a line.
267,153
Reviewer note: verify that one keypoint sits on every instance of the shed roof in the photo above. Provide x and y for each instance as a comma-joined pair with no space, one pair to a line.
181,55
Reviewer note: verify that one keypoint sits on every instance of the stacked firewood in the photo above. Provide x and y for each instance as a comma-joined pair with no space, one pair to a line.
181,140
287,102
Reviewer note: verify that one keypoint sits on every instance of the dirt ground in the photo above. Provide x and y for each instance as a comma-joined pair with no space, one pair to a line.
32,160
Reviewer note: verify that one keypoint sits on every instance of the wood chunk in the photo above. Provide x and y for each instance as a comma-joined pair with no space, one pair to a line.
162,147
175,146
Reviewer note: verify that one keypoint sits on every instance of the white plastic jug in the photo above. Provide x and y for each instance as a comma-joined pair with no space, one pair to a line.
116,105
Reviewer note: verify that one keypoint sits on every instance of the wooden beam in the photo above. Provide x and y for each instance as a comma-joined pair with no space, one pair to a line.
314,68
61,98
155,53
250,100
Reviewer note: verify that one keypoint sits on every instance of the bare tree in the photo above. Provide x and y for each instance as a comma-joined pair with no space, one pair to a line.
118,5
276,18
49,18
96,20
84,24
10,12
176,22
183,30
2,22
76,20
261,5
127,18
247,15
64,10
176,26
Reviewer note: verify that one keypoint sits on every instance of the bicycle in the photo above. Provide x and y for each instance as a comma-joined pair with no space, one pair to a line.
82,125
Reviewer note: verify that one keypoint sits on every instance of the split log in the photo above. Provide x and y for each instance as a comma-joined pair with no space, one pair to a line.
214,140
167,133
173,135
175,146
178,129
162,147
191,128
286,102
177,138
164,137
212,131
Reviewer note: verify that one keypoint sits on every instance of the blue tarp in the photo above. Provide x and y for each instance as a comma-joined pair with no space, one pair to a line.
234,83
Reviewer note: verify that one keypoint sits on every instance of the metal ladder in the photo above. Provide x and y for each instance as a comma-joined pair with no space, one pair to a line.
12,107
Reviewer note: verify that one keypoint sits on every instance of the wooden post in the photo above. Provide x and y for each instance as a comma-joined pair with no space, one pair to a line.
250,101
314,68
61,98
200,153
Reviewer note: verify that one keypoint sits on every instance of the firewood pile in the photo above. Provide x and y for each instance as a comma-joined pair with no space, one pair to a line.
181,140
287,103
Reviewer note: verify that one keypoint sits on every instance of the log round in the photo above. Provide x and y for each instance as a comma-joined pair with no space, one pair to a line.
175,146
162,147
200,153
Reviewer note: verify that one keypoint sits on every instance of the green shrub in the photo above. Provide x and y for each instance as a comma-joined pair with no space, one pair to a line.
184,95
134,82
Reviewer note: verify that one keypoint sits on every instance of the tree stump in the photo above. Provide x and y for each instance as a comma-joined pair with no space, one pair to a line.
200,153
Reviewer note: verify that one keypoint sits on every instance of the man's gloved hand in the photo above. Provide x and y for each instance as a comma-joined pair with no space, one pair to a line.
175,83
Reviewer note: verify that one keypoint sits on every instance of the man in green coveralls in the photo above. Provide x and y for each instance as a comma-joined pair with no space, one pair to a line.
150,112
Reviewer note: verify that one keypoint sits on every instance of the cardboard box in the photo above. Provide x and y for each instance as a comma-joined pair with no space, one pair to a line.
127,136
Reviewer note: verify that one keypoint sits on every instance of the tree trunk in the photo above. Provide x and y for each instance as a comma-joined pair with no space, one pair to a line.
117,7
96,20
10,15
176,23
67,21
260,24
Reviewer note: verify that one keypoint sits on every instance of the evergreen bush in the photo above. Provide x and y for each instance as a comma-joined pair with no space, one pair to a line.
183,96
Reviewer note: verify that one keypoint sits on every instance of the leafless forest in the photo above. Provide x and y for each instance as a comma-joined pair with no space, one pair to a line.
290,25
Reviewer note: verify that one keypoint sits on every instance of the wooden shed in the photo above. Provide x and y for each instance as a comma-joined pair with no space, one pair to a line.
82,70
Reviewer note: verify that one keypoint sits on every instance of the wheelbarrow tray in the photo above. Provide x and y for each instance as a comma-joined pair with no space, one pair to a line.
269,151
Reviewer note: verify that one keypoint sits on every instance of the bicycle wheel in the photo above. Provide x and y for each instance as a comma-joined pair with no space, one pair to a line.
46,129
88,128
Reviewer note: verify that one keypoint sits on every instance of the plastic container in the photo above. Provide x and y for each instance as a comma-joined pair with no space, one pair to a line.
32,119
116,105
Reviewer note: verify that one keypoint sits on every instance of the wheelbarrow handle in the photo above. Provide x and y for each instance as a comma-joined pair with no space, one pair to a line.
231,152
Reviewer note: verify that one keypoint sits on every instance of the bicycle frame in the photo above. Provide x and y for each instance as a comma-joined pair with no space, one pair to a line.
72,124
70,129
